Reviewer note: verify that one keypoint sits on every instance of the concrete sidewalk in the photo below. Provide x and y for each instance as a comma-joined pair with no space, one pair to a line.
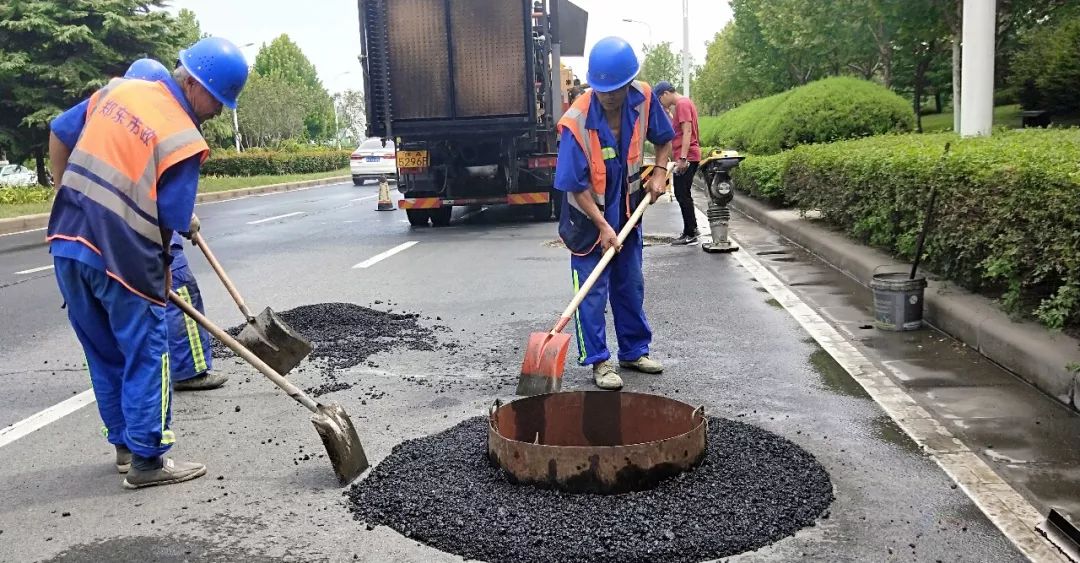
1046,359
41,220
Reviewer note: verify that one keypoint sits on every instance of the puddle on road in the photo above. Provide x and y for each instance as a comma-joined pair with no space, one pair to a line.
834,377
166,548
886,430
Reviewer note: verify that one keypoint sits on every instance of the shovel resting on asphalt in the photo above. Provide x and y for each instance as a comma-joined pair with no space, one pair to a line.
336,429
266,335
545,354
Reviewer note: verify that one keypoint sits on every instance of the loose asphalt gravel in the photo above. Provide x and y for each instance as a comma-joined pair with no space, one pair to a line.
752,489
345,335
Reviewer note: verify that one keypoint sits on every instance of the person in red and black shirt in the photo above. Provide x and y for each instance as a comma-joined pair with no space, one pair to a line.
686,149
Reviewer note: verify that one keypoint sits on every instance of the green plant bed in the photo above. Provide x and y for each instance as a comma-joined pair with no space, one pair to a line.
266,163
823,111
1008,212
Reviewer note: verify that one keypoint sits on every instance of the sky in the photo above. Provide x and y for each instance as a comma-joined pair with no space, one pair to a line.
329,34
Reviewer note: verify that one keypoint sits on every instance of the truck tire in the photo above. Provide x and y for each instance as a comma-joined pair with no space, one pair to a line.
418,217
441,217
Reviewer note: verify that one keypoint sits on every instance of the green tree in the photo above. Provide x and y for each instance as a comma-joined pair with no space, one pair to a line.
272,110
53,53
350,115
921,43
186,31
283,60
1047,68
661,63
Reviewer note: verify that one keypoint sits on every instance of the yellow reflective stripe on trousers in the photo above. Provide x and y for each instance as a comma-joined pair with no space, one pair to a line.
577,322
194,340
167,436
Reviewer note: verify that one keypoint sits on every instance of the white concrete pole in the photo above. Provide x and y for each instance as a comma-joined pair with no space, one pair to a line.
686,47
977,77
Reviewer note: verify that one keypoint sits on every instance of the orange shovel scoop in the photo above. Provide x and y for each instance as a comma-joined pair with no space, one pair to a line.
545,355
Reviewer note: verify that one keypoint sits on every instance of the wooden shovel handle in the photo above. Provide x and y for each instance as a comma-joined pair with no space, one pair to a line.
244,353
201,243
599,269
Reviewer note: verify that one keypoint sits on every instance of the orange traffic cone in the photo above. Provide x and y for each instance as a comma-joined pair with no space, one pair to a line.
384,196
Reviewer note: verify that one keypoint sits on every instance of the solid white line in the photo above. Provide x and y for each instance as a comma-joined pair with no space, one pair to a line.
23,232
1014,516
45,417
34,270
275,218
364,198
380,257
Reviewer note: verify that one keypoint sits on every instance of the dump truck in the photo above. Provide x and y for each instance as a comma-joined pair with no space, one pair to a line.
470,92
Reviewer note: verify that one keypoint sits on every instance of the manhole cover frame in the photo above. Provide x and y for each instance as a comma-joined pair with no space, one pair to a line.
675,446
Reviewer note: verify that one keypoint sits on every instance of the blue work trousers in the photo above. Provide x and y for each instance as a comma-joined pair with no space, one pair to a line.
189,343
125,339
622,285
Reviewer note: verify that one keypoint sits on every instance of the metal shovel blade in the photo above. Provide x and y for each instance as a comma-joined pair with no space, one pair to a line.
274,342
545,360
341,442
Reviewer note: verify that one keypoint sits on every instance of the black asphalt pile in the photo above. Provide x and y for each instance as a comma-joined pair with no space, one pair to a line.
345,335
752,489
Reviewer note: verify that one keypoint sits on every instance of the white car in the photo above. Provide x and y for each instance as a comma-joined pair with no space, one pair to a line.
372,160
17,175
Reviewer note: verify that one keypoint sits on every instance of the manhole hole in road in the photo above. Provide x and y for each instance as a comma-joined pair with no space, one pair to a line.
752,489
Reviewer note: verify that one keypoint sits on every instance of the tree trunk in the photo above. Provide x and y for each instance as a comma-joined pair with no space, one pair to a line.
42,175
938,102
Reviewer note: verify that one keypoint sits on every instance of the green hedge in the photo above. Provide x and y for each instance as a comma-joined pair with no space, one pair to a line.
258,163
25,194
1008,211
823,111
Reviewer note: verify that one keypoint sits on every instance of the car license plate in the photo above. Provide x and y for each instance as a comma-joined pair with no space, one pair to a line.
412,159
373,159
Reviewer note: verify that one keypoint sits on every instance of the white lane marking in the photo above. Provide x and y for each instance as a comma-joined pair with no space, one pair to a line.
1014,516
23,232
276,217
380,257
34,270
45,417
364,198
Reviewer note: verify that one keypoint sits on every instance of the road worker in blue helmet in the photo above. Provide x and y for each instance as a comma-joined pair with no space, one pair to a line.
126,163
601,154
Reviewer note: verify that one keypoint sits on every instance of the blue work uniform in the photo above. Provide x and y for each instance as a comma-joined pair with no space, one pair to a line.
189,343
622,284
125,336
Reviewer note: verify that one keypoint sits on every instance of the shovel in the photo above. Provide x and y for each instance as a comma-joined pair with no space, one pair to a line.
336,429
545,354
266,335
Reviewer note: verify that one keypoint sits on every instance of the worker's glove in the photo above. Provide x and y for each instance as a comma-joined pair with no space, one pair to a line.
193,227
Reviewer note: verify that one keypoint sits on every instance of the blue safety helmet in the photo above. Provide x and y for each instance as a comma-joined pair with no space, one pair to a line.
612,64
147,69
219,66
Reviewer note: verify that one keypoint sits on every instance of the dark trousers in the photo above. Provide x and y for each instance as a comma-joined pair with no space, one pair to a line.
683,184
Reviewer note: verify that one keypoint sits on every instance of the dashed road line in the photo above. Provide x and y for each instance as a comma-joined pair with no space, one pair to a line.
1013,515
45,417
34,270
276,217
383,256
364,198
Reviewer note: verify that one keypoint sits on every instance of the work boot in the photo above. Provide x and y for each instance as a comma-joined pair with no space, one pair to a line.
685,239
208,380
123,458
606,376
643,364
170,472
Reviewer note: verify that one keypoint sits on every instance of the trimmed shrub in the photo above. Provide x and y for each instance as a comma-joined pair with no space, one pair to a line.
1008,209
25,194
260,163
824,111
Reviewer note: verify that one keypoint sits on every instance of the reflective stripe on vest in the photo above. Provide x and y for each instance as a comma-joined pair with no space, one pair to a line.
575,119
134,131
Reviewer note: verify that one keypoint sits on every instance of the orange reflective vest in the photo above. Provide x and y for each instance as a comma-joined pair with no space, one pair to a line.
575,120
134,131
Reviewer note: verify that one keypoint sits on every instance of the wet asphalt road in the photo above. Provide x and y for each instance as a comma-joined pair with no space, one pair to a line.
491,278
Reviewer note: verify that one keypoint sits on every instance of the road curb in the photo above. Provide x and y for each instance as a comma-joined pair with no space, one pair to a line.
41,220
1025,348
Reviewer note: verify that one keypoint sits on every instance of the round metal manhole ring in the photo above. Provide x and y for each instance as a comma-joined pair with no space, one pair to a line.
595,441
